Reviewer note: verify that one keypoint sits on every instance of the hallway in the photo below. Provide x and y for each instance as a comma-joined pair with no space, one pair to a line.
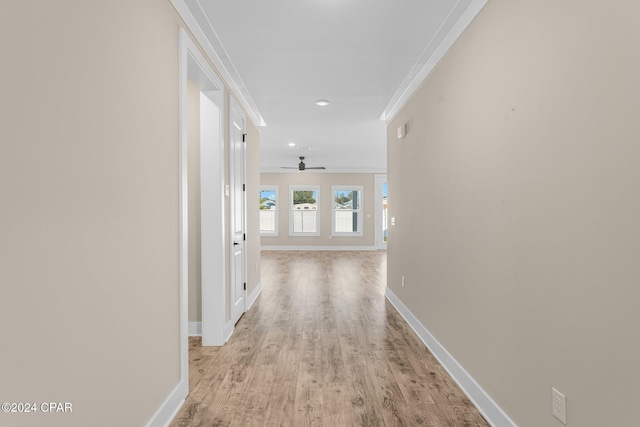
322,346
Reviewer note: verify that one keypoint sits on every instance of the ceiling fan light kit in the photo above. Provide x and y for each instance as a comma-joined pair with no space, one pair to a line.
302,167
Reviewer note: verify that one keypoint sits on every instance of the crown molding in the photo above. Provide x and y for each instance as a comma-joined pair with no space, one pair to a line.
205,35
461,15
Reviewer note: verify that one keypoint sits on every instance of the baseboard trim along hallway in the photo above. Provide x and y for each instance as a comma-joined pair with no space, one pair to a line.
195,329
485,404
251,298
170,407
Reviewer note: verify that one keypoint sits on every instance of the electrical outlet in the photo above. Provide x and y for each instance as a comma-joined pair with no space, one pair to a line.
403,281
558,406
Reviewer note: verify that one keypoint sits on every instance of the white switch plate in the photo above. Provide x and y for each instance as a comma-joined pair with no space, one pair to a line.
558,405
393,220
227,190
402,131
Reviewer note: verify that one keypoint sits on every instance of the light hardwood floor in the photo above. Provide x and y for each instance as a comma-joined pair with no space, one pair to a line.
322,346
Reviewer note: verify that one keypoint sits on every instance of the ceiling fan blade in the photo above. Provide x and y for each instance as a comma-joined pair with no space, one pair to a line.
301,166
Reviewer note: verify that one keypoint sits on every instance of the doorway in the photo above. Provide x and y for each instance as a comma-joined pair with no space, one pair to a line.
195,69
381,211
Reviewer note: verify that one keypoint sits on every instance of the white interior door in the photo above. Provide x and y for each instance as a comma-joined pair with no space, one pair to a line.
237,280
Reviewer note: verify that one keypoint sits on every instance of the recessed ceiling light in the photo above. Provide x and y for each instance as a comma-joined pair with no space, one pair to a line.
292,144
322,102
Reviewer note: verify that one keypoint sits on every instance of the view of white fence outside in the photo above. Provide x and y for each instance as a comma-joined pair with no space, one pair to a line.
268,210
305,221
347,210
267,220
346,222
304,215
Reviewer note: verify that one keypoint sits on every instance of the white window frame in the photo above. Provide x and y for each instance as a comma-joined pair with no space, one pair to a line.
293,188
277,210
360,210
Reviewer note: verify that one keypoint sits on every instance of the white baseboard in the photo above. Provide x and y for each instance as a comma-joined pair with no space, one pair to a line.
195,329
229,326
487,407
170,407
319,248
228,330
254,296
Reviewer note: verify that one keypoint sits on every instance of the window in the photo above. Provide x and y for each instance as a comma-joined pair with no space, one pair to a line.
304,218
347,211
269,211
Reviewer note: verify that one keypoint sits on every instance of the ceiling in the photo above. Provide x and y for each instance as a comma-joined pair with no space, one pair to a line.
364,56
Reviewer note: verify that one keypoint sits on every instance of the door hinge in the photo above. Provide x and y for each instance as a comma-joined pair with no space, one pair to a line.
244,187
244,237
245,286
244,137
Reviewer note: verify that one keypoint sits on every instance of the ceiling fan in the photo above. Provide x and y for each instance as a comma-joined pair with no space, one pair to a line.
302,166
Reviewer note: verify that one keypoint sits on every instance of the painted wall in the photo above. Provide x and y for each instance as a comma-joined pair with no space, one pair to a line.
89,227
193,178
253,209
325,181
515,193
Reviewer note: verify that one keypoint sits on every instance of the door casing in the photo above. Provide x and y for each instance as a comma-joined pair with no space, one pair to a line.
194,66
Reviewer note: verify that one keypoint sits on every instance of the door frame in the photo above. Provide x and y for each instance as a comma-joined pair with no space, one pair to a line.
194,65
379,181
234,106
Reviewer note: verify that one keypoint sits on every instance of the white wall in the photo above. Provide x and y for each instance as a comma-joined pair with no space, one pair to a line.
252,209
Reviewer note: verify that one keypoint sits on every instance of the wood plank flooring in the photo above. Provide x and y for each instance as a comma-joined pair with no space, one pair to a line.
321,346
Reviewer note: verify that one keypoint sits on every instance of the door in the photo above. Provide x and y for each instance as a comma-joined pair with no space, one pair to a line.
381,211
237,281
